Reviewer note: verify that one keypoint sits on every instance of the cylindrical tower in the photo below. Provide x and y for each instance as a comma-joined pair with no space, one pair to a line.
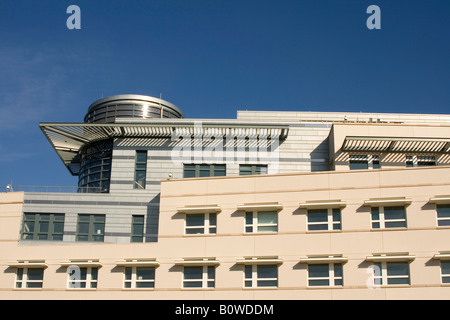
96,157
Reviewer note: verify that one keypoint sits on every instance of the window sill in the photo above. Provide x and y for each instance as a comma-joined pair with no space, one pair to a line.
200,235
324,287
198,289
259,233
324,231
260,288
81,289
390,229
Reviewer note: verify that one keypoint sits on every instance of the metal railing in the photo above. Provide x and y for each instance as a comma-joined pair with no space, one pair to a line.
52,189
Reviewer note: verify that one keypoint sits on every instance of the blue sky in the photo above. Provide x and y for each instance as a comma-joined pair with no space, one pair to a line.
211,58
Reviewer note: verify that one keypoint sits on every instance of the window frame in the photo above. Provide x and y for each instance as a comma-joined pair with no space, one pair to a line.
254,168
139,168
90,282
373,161
212,169
137,237
331,224
332,278
381,275
134,281
252,280
414,161
255,225
445,277
209,226
91,228
207,279
381,221
38,222
442,219
24,281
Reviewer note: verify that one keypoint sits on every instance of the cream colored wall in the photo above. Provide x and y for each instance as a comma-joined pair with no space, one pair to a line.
356,241
339,159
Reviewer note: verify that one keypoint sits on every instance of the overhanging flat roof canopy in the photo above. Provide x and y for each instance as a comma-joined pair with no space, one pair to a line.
68,138
396,144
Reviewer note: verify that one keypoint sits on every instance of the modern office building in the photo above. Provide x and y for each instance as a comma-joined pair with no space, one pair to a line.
270,205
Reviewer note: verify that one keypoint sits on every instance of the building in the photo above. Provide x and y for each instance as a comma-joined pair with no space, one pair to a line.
271,205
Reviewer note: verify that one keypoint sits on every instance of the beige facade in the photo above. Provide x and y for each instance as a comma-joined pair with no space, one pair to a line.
341,206
422,244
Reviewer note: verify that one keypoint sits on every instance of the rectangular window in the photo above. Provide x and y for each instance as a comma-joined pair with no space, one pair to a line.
362,162
91,227
43,226
82,278
137,229
140,172
139,277
247,169
445,272
264,221
201,223
258,276
204,170
391,273
388,217
325,275
199,276
324,219
443,215
420,161
29,278
359,162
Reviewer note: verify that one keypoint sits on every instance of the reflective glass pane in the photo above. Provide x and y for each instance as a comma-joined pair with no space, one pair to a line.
35,273
267,283
193,273
83,228
195,220
267,229
195,231
267,217
443,211
397,269
375,213
34,284
248,218
29,226
43,227
145,273
318,283
248,272
394,213
267,272
211,272
58,227
192,284
394,281
141,156
318,215
149,284
318,270
400,224
358,165
212,219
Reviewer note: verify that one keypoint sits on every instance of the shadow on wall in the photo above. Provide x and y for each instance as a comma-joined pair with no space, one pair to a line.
319,157
152,219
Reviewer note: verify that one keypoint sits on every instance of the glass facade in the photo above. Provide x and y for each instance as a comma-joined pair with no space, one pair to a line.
95,170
